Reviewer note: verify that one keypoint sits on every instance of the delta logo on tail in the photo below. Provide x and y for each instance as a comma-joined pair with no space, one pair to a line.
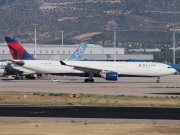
16,50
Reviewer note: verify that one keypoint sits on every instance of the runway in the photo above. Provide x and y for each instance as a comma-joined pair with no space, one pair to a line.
135,86
91,112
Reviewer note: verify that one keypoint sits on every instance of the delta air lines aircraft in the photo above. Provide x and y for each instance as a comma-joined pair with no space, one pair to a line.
105,69
18,52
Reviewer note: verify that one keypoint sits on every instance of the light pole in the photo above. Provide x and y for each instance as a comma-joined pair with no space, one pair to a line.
174,48
35,41
174,30
62,38
115,43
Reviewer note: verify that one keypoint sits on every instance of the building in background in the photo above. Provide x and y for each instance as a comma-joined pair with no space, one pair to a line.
58,52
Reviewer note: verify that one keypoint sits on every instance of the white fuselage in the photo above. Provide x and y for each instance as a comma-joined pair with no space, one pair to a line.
122,68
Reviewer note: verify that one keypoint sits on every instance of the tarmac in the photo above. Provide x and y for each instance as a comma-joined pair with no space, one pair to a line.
136,86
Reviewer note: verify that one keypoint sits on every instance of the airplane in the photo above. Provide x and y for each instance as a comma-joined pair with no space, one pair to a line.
104,69
18,52
18,72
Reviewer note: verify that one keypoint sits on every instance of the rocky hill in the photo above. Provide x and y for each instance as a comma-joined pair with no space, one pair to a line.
138,21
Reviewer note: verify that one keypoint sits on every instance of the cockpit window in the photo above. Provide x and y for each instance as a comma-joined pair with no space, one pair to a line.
169,67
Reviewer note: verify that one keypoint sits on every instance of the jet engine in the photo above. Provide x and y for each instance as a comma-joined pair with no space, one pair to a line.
111,76
2,72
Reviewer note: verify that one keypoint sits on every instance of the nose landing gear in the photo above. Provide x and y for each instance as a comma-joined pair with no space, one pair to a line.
158,80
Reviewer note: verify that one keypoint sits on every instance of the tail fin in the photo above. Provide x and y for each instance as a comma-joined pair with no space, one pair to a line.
78,53
17,51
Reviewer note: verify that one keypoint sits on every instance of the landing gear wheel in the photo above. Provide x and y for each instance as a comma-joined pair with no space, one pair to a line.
91,80
16,78
86,80
157,81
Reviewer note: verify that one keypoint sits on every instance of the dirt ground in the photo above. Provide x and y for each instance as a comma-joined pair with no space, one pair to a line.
80,128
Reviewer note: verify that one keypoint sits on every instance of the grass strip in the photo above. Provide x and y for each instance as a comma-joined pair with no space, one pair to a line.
38,98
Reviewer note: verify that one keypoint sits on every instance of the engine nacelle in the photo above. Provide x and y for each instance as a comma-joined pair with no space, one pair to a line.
112,76
2,72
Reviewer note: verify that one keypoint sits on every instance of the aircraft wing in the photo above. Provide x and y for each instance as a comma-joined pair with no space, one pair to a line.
85,69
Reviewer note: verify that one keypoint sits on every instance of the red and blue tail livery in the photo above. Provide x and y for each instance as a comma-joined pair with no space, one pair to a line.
17,51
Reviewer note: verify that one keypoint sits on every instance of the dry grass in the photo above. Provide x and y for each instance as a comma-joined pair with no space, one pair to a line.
79,128
86,99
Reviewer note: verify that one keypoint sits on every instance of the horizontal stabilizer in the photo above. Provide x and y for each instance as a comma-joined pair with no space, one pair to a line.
20,63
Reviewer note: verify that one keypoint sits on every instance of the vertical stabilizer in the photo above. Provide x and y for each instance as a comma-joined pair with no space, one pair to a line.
16,49
78,53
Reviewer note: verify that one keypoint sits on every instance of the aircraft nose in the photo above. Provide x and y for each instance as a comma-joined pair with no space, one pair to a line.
173,71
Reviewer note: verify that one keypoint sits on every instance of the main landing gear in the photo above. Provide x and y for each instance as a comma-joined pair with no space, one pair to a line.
158,80
19,78
90,79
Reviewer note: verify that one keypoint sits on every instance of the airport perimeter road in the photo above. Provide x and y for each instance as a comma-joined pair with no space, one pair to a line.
138,86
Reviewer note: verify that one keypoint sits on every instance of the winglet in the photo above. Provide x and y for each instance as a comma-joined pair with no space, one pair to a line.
17,51
78,53
62,63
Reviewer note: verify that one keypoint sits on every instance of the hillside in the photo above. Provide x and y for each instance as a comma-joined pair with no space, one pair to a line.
138,21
